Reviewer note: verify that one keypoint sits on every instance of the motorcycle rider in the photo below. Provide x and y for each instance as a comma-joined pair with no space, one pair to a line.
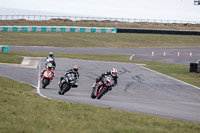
51,56
113,73
49,68
74,70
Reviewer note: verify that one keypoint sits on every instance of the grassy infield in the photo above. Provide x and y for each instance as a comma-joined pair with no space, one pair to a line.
22,111
97,40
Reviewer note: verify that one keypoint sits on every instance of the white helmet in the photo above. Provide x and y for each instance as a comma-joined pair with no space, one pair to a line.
75,68
114,72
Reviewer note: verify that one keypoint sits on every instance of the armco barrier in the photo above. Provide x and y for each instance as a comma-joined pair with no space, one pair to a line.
91,30
56,29
151,31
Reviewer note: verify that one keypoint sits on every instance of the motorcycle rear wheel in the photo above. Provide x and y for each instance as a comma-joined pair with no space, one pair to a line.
101,93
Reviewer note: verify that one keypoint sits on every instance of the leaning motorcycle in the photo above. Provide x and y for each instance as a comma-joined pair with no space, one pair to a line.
102,87
46,78
66,83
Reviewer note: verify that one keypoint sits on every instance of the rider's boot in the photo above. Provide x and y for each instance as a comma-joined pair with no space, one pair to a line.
94,85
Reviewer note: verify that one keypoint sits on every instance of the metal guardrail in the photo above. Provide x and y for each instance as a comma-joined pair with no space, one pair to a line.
79,18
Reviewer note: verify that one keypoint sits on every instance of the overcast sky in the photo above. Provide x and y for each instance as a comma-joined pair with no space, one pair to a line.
141,9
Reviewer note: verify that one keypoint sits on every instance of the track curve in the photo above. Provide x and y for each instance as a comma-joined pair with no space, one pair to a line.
138,90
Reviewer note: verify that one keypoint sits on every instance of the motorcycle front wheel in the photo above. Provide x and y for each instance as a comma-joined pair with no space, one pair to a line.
64,88
93,96
45,83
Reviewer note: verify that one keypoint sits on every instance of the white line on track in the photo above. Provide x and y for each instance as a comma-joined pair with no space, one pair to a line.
132,56
38,87
171,78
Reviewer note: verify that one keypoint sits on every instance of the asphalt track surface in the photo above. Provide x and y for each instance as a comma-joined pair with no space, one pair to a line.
138,90
144,54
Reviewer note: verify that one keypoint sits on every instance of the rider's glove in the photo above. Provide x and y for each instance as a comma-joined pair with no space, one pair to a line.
97,79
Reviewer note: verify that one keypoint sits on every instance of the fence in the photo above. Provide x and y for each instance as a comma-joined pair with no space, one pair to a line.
79,18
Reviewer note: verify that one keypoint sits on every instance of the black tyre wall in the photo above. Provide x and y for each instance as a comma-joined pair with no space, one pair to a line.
152,31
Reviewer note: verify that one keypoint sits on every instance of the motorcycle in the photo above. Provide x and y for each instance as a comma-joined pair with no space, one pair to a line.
46,78
66,83
102,87
52,61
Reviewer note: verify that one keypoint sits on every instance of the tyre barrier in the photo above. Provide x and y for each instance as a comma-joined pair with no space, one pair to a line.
152,31
92,30
56,29
4,48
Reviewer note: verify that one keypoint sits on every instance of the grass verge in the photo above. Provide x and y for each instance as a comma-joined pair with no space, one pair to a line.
123,40
23,111
7,58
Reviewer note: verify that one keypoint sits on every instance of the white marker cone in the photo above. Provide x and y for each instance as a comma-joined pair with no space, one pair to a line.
152,54
178,54
164,54
190,54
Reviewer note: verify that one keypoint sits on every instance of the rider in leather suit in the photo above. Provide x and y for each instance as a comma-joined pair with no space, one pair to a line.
74,70
49,67
51,56
113,73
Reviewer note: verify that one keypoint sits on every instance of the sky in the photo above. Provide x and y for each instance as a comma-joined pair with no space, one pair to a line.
139,9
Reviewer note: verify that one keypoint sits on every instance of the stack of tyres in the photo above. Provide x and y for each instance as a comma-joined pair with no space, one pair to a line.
5,49
193,67
198,68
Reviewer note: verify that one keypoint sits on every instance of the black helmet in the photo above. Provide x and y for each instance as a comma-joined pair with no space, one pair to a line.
75,68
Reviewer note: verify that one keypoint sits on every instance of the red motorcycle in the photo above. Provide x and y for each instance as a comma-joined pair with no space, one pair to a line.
102,87
46,78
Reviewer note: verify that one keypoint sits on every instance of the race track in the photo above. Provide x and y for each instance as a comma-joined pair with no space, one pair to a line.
138,90
143,54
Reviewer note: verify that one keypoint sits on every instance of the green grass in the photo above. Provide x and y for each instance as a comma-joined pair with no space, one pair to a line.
6,58
123,40
23,111
117,58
